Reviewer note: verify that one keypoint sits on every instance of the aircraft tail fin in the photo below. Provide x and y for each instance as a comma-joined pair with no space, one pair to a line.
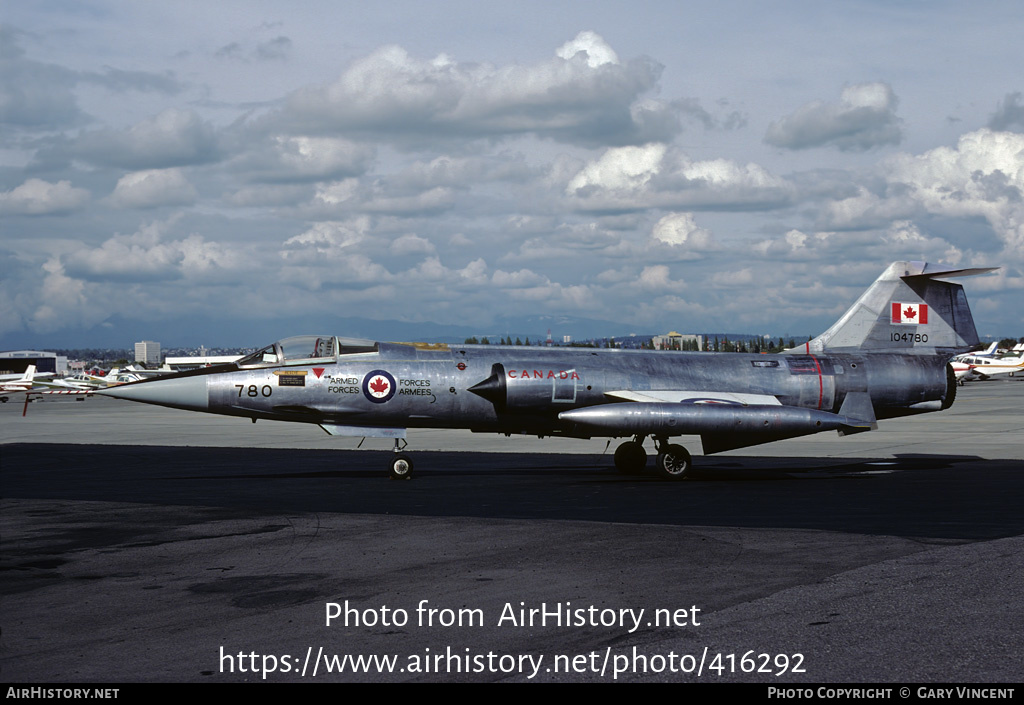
30,373
907,310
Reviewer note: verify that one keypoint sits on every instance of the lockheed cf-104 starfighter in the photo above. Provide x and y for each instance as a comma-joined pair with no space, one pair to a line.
887,356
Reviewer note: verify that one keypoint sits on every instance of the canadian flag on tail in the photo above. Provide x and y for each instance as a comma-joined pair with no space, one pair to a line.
912,314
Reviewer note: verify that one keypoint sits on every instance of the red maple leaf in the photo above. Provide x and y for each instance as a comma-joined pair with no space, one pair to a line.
909,313
379,385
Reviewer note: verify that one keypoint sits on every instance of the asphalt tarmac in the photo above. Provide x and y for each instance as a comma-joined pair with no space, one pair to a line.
142,544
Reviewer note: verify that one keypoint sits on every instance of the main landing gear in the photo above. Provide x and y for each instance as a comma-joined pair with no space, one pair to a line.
673,461
401,464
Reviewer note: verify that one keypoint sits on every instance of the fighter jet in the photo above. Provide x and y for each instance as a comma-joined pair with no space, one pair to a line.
885,357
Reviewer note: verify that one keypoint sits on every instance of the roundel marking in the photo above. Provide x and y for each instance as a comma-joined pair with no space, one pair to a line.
379,386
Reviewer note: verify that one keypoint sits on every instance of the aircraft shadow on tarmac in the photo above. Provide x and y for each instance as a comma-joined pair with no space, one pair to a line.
913,495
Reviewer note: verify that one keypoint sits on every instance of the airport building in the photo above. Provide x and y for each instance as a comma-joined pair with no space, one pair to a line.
678,341
147,352
17,361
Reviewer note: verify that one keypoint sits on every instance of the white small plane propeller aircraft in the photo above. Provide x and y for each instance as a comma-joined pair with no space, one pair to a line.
985,367
20,384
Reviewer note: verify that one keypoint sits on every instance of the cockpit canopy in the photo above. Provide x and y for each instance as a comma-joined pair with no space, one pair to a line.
303,349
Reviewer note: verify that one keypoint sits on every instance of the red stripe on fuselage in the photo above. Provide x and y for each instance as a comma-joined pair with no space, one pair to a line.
821,385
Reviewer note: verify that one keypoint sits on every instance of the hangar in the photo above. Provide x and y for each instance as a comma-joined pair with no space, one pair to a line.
17,361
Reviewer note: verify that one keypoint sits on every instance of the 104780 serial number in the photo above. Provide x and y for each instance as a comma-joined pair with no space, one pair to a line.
910,337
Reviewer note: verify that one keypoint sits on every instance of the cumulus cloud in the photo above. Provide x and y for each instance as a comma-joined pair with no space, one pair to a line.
655,277
623,168
584,94
463,172
146,256
655,176
353,271
325,239
285,159
430,187
172,138
61,296
521,279
1009,114
865,209
953,204
591,47
153,188
353,195
411,244
681,230
38,197
864,118
907,239
982,177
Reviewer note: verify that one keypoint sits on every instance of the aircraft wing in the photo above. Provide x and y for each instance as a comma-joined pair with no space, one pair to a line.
683,397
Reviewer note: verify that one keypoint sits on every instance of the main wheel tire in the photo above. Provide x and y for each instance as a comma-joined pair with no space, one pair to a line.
674,462
630,458
401,467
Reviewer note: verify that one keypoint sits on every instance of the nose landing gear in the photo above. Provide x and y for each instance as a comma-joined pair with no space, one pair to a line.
400,467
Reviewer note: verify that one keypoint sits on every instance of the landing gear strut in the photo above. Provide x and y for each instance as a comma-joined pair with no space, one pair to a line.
401,464
630,457
673,461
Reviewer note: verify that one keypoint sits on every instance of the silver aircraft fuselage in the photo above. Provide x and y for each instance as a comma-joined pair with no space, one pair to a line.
510,389
886,356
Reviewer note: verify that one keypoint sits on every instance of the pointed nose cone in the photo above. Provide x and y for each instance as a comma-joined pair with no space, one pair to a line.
180,393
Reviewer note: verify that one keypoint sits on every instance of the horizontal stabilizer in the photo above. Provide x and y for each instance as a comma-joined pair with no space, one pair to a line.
932,272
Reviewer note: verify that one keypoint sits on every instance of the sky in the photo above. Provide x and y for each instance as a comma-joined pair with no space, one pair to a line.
199,172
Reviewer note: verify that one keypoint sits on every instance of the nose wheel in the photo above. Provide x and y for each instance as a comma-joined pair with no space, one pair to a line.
401,467
401,464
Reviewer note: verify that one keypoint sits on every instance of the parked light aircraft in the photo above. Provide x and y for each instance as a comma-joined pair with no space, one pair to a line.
984,367
885,357
991,351
961,370
18,384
